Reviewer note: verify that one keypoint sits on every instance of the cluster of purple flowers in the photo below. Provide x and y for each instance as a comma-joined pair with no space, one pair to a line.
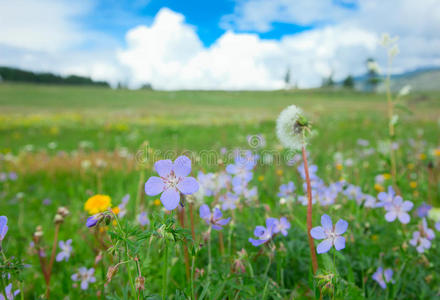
273,227
8,176
10,295
421,239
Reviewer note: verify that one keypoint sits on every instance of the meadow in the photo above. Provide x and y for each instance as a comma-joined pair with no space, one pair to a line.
60,146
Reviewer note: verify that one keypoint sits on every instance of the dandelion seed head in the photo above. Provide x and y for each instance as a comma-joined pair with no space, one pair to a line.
290,127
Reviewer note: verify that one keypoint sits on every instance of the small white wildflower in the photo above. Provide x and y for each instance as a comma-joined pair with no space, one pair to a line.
373,66
387,40
290,128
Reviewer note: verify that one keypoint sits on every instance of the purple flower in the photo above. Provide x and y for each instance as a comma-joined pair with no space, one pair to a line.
242,168
214,219
264,234
3,177
46,201
3,227
326,196
143,219
331,235
383,277
173,180
85,276
422,238
13,176
287,190
370,201
123,206
281,225
437,226
229,201
398,209
386,198
354,193
66,250
423,210
8,293
207,183
93,220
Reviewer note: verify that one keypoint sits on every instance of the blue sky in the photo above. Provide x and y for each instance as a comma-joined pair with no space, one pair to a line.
117,17
227,44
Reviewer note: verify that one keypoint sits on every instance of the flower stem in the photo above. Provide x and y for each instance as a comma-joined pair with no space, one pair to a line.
309,212
52,258
192,277
390,123
265,274
165,271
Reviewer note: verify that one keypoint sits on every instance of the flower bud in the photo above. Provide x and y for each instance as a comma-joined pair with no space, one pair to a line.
140,283
111,272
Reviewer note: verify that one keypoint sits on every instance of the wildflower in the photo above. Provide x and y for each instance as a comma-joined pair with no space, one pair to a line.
242,168
291,126
370,201
123,206
287,190
398,209
281,225
214,218
8,293
330,234
354,193
207,184
13,176
405,90
423,210
229,201
85,276
386,198
3,227
363,143
382,277
143,219
66,250
422,238
264,234
173,180
93,220
97,204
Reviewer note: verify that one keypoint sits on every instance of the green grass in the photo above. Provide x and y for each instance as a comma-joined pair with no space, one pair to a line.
117,122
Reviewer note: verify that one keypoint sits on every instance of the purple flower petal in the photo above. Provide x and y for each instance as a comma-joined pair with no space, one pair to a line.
204,212
259,231
324,246
163,167
326,222
170,199
84,284
407,205
341,226
339,243
390,216
217,214
223,222
404,218
154,186
398,201
388,274
188,186
182,166
271,223
257,243
3,227
318,233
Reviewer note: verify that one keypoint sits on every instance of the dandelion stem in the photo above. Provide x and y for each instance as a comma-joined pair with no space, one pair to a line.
309,212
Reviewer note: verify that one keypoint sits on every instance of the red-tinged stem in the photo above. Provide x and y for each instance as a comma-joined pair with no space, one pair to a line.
52,258
185,248
191,216
309,213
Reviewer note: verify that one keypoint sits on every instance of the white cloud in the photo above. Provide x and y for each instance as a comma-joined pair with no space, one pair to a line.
169,55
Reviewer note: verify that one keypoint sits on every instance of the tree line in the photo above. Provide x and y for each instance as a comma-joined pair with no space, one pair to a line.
17,75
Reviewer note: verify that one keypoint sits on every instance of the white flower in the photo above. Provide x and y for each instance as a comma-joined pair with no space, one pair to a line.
405,90
289,130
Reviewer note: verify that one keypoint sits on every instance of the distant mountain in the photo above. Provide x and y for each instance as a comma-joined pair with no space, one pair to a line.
17,75
425,79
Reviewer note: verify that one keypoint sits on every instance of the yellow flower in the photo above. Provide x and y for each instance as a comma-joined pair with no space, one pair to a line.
97,204
378,187
260,178
413,184
422,156
157,202
339,167
411,166
279,172
437,152
115,210
387,176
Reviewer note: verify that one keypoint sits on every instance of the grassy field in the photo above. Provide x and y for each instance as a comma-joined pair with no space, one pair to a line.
67,144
